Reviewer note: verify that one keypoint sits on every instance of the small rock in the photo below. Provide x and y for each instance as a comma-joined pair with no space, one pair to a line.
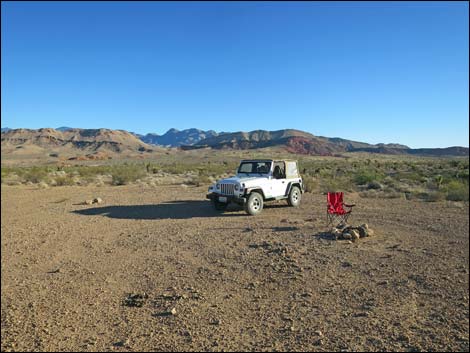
319,333
354,234
319,342
363,232
123,343
173,311
335,231
214,321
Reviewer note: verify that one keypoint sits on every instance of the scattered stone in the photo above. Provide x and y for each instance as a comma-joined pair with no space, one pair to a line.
363,232
319,342
354,234
214,321
135,300
349,233
173,311
123,343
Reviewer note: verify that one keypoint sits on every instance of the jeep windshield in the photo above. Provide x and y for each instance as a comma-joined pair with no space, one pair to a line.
254,167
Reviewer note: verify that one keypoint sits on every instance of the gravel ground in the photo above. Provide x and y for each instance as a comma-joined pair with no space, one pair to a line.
157,269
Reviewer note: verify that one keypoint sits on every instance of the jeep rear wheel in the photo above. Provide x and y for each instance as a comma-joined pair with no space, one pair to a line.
219,206
254,204
294,197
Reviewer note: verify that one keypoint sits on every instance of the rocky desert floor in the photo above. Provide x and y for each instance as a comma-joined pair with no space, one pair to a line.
157,269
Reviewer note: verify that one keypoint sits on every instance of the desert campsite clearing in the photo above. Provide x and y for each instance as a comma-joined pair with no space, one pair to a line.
156,268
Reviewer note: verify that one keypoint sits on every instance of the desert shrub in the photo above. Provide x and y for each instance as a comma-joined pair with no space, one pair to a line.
434,196
63,180
457,191
365,176
374,185
310,184
125,174
335,185
35,175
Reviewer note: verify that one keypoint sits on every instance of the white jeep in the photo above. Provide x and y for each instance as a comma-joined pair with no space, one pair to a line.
257,181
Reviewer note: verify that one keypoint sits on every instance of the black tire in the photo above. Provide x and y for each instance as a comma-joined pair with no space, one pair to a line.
219,206
254,204
294,197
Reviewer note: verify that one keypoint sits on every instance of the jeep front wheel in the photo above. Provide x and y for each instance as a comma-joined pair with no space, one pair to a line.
254,204
294,197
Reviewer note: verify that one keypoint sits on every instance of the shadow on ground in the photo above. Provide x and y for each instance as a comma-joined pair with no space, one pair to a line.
168,210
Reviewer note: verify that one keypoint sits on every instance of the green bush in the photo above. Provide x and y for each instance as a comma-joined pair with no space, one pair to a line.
125,174
457,191
64,180
434,196
365,177
310,184
35,175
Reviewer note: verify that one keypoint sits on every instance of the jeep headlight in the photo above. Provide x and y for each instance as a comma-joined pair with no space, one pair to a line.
237,187
217,186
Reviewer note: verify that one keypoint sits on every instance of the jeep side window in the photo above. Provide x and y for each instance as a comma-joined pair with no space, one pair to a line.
279,171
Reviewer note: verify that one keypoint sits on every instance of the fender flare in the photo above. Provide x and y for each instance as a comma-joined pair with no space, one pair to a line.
258,189
292,184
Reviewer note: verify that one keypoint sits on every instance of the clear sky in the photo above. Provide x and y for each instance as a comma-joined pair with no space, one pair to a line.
371,72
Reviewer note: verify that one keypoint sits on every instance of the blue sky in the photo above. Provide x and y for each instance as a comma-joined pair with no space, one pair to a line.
371,72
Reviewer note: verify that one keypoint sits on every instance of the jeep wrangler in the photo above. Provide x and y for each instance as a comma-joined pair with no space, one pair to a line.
258,181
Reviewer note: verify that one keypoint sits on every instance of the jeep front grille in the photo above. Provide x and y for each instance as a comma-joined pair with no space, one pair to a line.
227,189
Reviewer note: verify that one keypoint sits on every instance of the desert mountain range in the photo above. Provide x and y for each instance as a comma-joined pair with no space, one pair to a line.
117,141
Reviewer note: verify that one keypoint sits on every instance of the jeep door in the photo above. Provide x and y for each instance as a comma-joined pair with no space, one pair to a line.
278,181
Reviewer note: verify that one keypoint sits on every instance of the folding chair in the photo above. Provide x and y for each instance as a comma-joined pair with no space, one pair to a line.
335,211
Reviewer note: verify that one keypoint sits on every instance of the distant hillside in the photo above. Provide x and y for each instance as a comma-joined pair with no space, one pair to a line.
24,141
301,142
175,138
91,140
432,152
5,129
295,141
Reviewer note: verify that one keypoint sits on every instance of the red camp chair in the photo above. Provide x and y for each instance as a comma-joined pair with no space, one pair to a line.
335,211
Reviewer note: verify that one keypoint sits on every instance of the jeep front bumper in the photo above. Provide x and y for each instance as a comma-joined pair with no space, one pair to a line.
229,198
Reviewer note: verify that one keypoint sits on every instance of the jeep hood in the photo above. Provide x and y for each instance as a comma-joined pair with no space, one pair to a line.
247,180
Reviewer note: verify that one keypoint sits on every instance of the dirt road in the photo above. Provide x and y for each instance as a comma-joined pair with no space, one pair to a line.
156,268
